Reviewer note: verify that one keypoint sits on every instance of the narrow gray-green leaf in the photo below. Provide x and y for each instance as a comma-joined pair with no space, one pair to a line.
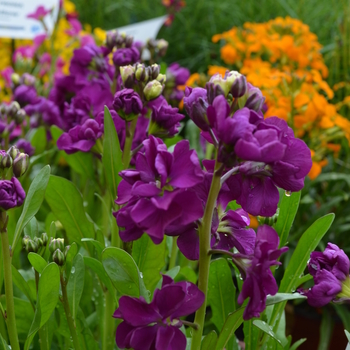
268,330
48,292
122,270
297,344
31,229
288,208
37,261
150,259
22,284
66,203
72,252
98,245
209,341
112,154
32,203
221,291
4,345
75,284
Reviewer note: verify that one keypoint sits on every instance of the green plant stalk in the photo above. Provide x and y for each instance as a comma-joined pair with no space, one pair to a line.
173,254
129,136
69,316
10,306
108,328
43,331
204,255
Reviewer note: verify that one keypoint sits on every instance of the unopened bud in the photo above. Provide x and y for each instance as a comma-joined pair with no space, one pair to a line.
255,99
13,152
111,38
66,249
3,109
28,79
213,91
218,80
155,70
128,75
19,116
15,78
25,240
44,238
153,90
13,108
56,243
161,78
129,40
38,241
58,257
6,162
237,83
162,46
20,164
32,246
141,73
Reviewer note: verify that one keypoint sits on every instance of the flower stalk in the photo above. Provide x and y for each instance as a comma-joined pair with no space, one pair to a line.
204,256
10,306
129,136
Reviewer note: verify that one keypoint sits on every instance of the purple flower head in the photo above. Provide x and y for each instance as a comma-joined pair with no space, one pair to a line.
64,88
125,56
258,278
76,27
25,95
165,120
11,194
39,13
80,138
330,271
160,190
78,111
25,146
177,73
196,104
127,104
155,326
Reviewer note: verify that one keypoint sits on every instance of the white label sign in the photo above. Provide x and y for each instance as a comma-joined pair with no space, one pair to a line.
14,21
142,31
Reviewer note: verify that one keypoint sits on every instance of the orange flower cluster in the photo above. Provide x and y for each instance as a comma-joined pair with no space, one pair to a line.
282,57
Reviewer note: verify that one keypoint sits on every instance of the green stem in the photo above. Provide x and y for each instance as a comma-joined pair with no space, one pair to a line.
173,254
204,256
129,136
108,328
10,305
43,331
69,316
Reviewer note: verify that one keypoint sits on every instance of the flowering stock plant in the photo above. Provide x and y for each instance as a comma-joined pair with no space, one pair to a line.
130,240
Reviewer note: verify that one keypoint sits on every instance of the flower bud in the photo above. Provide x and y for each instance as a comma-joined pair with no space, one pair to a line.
111,39
66,249
162,46
25,240
255,99
3,109
38,241
213,90
20,164
237,83
129,39
13,108
15,78
13,152
44,238
58,257
155,69
19,116
6,162
128,75
141,73
161,78
153,90
32,246
218,80
28,79
57,243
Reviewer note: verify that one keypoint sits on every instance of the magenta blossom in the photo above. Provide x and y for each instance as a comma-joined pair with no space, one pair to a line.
258,278
155,326
11,194
39,13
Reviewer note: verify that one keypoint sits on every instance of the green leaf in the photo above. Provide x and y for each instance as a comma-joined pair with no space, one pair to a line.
66,203
72,252
22,284
112,154
347,335
267,329
297,344
122,270
34,198
150,259
96,266
98,245
38,139
48,292
235,319
209,341
81,162
4,345
288,208
221,291
38,262
297,264
31,229
75,284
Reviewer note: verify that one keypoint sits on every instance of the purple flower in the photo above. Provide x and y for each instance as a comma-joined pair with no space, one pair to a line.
258,278
125,56
80,138
11,194
25,146
78,111
25,95
255,99
155,326
179,74
330,271
196,104
158,191
39,13
165,120
127,103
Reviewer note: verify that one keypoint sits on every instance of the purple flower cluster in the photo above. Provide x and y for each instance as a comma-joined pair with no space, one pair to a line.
255,269
155,326
11,194
159,191
330,271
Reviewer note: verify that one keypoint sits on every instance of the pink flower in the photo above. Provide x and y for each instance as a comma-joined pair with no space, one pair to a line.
39,13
